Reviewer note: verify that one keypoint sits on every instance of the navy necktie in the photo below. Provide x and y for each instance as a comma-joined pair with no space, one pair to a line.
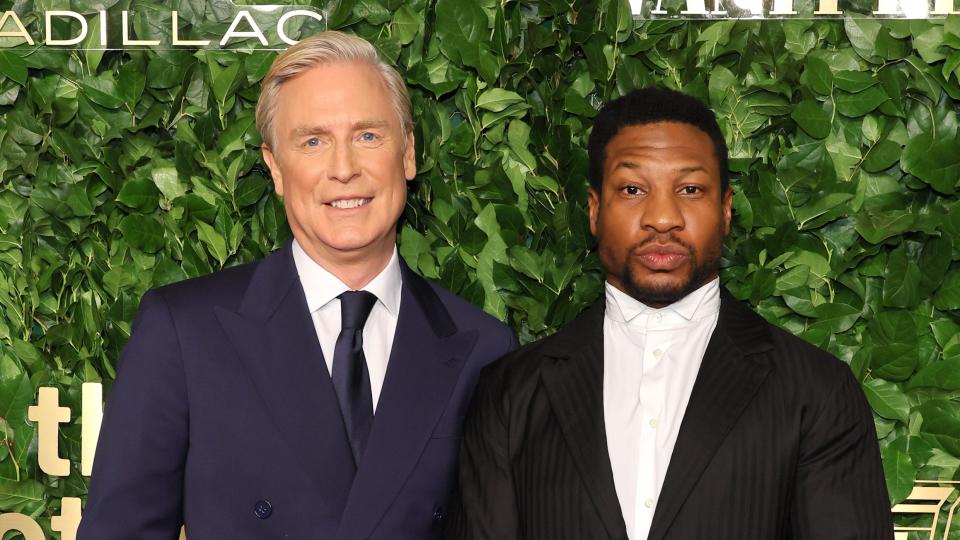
351,380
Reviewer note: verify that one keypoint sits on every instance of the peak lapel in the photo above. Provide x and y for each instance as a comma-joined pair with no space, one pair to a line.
274,336
425,362
728,379
574,384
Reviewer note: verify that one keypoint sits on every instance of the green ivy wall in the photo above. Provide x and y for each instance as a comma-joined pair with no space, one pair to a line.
125,170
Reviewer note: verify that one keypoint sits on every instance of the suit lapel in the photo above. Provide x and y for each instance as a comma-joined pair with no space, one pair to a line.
427,356
729,377
574,384
274,337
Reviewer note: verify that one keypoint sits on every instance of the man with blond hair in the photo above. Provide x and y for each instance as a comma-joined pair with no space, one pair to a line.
318,393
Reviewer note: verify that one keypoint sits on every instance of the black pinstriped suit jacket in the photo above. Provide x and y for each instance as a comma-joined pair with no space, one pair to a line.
777,442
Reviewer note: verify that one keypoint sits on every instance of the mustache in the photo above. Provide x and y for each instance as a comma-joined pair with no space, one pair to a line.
662,239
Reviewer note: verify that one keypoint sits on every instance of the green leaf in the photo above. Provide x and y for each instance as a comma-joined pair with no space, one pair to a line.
862,33
722,85
406,23
944,374
882,156
901,286
875,227
928,44
213,240
524,260
13,67
224,78
142,232
460,25
860,103
835,318
21,497
941,424
894,356
497,99
934,263
887,399
900,474
812,118
139,195
819,76
102,91
854,81
947,297
935,161
168,182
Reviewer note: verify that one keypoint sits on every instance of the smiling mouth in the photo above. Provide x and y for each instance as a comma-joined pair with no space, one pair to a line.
347,204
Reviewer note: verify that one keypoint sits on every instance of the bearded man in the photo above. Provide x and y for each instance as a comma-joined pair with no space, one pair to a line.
668,410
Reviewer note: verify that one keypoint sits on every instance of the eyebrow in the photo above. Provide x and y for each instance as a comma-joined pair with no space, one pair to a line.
631,165
300,131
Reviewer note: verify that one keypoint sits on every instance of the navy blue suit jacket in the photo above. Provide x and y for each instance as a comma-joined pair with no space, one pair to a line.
223,416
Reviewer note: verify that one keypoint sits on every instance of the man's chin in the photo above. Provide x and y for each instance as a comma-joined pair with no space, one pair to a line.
657,296
659,289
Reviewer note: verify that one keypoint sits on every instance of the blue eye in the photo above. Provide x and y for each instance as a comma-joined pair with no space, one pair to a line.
312,141
366,136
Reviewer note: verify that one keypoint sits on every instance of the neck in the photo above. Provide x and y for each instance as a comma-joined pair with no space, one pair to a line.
355,269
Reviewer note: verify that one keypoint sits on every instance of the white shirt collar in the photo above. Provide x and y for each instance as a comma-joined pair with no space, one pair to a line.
320,286
704,301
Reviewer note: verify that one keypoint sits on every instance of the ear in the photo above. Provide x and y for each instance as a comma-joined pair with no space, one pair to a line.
274,169
727,207
593,202
410,157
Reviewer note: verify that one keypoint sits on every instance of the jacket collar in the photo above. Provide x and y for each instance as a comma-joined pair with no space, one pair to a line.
732,370
273,335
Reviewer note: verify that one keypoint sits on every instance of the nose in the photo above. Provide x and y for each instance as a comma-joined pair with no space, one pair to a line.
343,163
662,212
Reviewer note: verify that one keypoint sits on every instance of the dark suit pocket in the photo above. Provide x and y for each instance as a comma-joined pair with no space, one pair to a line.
448,427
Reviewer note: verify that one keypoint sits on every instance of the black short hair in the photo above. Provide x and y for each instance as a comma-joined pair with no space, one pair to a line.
647,106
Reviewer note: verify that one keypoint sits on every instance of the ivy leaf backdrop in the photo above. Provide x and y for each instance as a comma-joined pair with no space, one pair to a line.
126,170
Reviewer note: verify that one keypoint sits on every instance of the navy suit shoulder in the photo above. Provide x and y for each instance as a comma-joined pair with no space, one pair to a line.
231,359
224,288
470,317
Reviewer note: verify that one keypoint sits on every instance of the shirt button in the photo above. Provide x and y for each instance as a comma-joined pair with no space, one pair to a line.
653,423
263,509
648,503
657,354
658,317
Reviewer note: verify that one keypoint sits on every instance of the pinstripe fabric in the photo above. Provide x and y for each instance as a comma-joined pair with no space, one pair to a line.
777,442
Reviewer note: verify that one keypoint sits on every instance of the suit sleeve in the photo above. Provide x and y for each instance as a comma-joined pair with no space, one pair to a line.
840,489
484,507
136,490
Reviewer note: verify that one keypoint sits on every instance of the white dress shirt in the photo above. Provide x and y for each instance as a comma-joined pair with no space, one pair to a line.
650,361
322,288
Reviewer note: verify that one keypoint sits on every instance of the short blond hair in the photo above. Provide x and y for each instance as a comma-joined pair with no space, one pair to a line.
325,48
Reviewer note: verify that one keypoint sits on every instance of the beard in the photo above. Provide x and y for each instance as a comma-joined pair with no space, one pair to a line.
703,267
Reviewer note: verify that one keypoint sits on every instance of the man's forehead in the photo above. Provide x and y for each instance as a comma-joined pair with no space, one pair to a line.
334,95
676,146
655,136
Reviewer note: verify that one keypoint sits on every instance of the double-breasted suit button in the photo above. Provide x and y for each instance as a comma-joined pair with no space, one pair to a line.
262,509
438,514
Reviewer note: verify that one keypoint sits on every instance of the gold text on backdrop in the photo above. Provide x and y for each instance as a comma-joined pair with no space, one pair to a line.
269,25
786,9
